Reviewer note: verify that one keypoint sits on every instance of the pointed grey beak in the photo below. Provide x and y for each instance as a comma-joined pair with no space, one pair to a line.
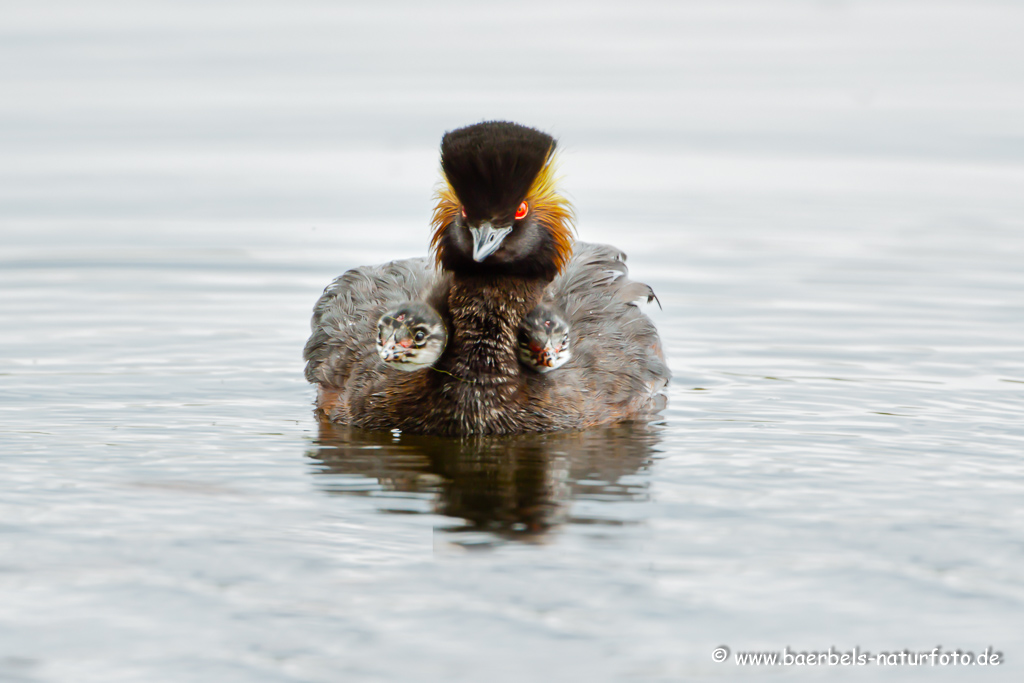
487,239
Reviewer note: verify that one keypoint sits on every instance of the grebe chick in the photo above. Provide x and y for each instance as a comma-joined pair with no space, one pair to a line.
544,339
410,336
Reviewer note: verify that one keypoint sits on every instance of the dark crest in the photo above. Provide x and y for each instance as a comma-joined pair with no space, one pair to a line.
491,165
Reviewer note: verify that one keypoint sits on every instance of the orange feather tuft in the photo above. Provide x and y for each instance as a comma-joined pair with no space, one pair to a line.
445,211
553,211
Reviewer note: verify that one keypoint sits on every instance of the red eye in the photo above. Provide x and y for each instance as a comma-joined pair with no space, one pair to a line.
521,212
463,212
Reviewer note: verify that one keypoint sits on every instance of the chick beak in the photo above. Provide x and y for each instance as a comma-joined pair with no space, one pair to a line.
487,240
388,350
543,357
547,356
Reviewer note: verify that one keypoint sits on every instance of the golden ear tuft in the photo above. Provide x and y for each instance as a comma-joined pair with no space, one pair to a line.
553,211
446,208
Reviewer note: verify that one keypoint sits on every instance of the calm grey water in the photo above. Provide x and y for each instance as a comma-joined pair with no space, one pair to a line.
828,198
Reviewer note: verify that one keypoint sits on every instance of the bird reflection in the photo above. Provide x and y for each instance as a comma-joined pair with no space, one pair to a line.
514,485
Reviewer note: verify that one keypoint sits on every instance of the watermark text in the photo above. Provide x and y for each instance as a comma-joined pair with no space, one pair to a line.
833,656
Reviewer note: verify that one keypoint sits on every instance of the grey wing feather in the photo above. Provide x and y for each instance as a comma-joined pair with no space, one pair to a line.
603,267
344,324
614,343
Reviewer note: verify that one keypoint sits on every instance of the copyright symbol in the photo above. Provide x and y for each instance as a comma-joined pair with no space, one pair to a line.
720,653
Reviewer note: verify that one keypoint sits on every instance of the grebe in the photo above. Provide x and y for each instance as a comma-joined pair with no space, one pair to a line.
411,336
502,242
544,339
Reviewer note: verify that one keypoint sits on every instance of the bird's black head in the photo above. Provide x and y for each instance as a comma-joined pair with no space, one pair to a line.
499,212
492,165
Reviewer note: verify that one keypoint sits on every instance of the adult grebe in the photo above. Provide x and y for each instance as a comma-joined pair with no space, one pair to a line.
502,243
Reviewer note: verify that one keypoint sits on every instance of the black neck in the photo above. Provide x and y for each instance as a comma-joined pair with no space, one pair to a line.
485,315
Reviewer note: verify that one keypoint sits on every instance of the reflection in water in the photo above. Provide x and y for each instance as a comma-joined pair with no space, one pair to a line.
508,485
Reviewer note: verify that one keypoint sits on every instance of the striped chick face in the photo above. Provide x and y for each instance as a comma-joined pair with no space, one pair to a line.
410,336
544,339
